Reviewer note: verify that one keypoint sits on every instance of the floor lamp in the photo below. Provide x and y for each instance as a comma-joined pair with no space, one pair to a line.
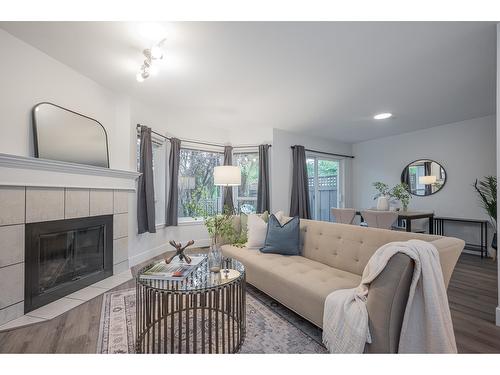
227,176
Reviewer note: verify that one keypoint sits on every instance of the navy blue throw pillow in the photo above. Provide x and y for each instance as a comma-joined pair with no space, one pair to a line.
282,239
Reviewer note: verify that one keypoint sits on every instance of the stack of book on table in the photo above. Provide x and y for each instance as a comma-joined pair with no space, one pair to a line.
175,270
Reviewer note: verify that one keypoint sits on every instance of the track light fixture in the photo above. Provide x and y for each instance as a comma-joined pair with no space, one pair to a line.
152,56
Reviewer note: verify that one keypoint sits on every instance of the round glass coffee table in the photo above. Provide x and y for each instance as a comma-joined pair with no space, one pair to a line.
203,313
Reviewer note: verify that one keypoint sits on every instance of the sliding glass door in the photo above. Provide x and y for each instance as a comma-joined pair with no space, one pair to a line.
325,186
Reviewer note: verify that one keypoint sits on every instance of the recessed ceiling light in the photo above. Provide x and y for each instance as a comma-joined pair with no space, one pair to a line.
382,116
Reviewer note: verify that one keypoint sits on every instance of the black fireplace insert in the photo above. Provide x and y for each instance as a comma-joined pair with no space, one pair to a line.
64,256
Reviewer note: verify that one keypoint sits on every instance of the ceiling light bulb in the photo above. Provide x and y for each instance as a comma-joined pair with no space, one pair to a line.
139,77
382,116
156,52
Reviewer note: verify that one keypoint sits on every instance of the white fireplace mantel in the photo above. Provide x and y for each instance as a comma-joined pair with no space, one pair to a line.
27,171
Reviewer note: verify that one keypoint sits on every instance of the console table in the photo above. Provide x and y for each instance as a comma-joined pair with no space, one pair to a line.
482,225
408,216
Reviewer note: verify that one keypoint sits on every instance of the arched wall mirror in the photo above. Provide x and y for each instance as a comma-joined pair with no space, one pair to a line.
65,135
424,177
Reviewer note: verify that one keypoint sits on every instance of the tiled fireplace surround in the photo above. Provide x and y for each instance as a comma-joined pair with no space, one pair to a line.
24,204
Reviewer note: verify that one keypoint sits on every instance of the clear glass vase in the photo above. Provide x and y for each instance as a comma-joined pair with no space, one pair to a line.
215,258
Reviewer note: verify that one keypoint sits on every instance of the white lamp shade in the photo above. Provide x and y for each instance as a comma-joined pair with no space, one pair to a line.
227,175
427,180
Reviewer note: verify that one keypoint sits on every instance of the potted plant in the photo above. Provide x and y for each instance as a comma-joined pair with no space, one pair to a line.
487,190
219,227
401,193
382,196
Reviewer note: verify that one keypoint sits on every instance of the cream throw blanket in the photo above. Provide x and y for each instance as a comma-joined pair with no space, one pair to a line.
427,326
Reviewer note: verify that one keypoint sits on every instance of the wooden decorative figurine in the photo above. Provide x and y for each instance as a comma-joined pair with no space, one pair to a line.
179,252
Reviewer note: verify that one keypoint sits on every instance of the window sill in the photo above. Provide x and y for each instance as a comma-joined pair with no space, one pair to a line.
191,221
184,222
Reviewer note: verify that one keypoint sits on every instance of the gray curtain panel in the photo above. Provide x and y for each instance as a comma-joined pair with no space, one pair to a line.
299,205
228,191
172,206
145,188
263,184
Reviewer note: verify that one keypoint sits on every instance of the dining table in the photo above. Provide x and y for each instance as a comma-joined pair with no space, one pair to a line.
409,216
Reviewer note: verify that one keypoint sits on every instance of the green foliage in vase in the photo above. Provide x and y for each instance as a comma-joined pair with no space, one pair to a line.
382,188
401,193
487,191
220,226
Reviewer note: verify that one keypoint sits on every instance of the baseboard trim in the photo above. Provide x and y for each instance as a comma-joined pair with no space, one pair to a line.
151,253
498,316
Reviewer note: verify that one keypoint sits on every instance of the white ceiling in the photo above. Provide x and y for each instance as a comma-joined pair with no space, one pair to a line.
324,78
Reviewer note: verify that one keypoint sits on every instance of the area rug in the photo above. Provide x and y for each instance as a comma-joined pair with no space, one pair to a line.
271,327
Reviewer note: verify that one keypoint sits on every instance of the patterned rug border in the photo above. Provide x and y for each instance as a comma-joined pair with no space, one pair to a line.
275,308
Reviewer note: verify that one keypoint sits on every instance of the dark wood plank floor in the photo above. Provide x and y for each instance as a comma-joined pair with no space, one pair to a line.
472,295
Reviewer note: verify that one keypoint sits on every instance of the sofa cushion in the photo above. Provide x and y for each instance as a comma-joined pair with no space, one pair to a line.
282,238
347,247
257,229
299,283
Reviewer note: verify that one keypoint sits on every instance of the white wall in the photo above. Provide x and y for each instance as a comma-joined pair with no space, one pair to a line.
281,164
28,76
465,149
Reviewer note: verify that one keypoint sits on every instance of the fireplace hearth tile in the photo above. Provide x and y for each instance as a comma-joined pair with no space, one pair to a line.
12,205
20,322
101,202
76,203
120,202
12,317
121,267
12,285
55,308
120,250
120,226
114,281
12,240
11,312
44,204
87,293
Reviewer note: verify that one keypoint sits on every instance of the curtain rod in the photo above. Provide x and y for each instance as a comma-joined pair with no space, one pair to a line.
328,153
200,143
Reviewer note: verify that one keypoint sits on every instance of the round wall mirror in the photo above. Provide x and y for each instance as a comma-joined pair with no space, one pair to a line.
424,177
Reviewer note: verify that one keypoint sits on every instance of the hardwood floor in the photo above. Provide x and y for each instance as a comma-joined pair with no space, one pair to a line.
472,295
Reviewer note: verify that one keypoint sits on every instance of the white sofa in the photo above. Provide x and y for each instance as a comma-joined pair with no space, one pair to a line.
333,257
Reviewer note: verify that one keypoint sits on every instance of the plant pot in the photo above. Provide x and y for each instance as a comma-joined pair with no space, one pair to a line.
383,203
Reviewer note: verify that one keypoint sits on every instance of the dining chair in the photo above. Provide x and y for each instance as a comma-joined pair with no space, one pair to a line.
344,215
379,219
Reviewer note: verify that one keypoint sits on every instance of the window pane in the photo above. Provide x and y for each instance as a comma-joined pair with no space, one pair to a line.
246,197
197,193
323,177
327,188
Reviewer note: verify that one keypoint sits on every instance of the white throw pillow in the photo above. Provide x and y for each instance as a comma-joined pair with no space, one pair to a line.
282,218
257,230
